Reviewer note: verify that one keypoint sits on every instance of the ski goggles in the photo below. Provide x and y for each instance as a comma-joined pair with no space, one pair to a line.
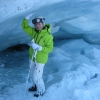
37,20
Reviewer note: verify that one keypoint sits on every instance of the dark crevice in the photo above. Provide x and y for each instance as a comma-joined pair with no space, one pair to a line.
19,47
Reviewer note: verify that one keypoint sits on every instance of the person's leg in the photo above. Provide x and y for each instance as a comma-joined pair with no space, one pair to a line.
38,80
32,67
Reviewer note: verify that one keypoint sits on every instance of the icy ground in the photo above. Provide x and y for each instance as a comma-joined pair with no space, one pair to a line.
72,73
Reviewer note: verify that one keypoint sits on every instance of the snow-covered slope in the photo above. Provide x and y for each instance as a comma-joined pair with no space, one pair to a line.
72,73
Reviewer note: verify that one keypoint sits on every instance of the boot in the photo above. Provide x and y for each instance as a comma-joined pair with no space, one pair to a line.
37,95
33,88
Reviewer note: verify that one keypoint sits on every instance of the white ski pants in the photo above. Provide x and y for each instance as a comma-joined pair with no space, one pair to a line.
36,72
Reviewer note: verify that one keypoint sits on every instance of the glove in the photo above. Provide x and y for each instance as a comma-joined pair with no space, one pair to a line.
36,46
28,16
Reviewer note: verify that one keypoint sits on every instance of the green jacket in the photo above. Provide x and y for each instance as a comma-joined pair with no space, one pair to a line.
42,38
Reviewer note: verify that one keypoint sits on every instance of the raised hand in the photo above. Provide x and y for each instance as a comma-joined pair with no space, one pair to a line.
28,16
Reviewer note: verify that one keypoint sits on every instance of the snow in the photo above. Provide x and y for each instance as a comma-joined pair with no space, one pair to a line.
73,69
69,74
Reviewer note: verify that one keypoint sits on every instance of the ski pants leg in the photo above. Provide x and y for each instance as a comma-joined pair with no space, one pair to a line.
36,73
32,67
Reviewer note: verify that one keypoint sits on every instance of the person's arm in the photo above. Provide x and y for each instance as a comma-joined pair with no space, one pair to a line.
48,44
28,29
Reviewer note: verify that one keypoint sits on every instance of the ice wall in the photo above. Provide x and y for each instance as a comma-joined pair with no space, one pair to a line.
69,19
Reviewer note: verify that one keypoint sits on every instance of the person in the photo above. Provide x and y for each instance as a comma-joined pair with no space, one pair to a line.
42,42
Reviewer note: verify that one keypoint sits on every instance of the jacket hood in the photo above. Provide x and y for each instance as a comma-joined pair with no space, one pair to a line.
48,27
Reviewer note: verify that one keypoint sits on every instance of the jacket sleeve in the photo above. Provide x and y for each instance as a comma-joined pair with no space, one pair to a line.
48,44
28,29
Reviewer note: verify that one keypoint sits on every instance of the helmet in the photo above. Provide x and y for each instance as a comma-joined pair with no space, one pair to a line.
39,19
